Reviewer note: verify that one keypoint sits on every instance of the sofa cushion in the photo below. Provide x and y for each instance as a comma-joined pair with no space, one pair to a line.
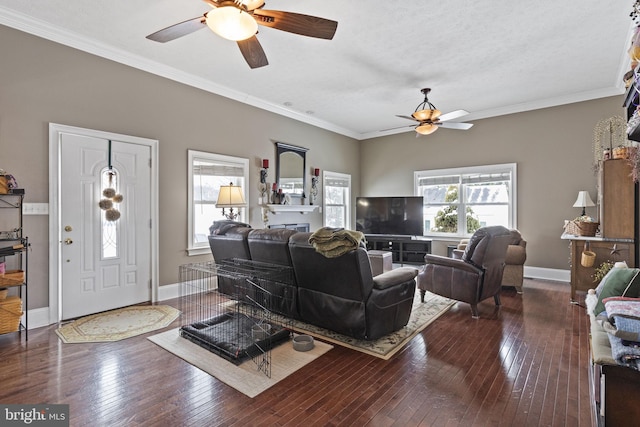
222,226
619,282
232,243
270,245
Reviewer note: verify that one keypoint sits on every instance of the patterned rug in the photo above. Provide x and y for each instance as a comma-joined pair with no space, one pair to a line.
422,315
118,324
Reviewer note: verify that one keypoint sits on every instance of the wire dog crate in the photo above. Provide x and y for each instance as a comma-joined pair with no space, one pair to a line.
232,308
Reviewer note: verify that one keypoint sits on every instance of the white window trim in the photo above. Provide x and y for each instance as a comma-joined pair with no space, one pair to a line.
513,196
347,177
203,248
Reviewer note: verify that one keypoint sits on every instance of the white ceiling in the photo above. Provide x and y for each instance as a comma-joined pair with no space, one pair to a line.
487,57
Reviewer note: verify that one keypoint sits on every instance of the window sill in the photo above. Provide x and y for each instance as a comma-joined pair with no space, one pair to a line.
199,251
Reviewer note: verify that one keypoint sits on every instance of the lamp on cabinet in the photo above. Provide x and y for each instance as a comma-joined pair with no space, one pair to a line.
583,201
230,196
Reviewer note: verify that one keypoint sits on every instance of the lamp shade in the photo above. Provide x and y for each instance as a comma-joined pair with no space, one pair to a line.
230,196
583,200
426,129
232,23
431,114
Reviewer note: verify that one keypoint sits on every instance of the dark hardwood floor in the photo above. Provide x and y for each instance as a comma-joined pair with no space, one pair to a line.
525,364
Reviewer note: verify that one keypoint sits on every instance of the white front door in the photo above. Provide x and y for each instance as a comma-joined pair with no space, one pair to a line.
103,264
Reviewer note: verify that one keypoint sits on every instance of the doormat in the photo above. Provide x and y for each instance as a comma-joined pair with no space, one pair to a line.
118,324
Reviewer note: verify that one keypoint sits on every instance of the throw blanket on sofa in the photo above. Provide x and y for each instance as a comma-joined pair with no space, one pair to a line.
333,242
622,323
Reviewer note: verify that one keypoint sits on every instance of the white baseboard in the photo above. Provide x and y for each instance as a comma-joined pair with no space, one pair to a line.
168,292
547,274
38,317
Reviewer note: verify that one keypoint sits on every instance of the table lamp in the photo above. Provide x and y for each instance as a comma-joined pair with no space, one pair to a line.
583,201
230,196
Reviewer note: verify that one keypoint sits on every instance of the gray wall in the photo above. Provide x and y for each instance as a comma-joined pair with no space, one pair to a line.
552,147
42,82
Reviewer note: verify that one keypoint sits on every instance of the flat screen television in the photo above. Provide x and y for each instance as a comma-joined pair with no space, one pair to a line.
390,215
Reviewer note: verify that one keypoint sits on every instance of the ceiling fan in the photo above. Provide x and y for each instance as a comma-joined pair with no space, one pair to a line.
429,118
238,20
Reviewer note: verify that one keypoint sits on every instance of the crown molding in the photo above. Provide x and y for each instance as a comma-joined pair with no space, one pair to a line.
47,31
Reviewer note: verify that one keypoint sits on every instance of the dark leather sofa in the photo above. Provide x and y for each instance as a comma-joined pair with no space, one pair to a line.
339,294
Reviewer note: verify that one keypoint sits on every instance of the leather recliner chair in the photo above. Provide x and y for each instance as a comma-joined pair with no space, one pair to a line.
341,293
513,263
473,278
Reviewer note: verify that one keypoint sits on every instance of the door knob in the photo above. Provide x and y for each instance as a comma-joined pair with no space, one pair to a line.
68,228
68,241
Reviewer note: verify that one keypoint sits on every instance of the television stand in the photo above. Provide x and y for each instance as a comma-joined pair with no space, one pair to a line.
404,249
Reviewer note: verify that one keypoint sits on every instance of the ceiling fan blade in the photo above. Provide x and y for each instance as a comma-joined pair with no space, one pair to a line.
452,125
407,117
297,23
178,30
453,115
253,53
399,127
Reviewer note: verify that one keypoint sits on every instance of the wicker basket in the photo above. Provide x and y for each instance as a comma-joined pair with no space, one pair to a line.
10,314
12,278
582,228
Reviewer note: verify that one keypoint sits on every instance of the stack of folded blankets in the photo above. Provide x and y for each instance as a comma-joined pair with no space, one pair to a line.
334,242
622,323
616,306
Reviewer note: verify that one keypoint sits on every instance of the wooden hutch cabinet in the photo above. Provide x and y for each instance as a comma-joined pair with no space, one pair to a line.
617,219
617,226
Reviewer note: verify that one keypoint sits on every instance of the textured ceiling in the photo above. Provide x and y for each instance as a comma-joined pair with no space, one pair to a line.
487,57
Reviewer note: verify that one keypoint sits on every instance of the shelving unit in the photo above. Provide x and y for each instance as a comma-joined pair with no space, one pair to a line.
14,253
631,99
631,103
404,249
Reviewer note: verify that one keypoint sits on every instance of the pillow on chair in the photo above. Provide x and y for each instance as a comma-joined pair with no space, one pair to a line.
624,282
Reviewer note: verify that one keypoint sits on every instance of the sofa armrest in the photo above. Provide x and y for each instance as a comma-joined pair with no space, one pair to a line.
516,255
394,277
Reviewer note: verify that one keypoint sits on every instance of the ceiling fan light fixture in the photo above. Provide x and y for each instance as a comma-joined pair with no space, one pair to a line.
430,114
426,128
253,4
232,23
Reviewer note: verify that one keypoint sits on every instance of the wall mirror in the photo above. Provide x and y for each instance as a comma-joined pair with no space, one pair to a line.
291,164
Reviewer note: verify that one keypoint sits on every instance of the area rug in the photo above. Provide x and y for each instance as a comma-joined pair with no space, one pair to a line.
422,315
118,324
246,378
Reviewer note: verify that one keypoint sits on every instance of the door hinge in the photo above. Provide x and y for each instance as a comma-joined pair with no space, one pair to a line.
149,162
149,283
150,223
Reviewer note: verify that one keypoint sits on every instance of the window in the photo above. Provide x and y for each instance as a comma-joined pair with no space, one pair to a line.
459,201
337,199
207,172
110,228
